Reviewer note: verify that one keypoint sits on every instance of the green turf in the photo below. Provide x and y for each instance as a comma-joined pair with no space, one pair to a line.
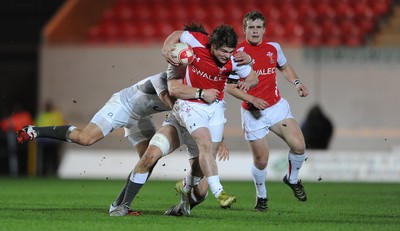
54,204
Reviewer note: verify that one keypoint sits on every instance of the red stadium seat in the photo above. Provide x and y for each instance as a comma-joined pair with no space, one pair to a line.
217,12
129,31
312,31
332,41
363,12
163,29
178,13
344,12
289,13
293,30
142,13
353,41
314,22
147,30
275,30
325,12
306,12
234,13
197,13
366,26
272,13
380,9
161,13
109,15
313,42
349,28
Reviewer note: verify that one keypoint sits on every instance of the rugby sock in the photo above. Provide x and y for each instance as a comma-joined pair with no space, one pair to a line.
295,163
215,185
55,132
133,187
194,200
121,195
190,181
259,177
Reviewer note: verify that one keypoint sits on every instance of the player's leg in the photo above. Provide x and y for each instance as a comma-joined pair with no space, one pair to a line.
112,115
163,142
69,133
255,125
197,195
290,132
138,132
260,151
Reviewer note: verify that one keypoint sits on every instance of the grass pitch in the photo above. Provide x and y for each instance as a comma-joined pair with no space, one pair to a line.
39,204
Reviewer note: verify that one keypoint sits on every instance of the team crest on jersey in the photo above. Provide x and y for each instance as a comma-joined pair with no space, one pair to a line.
221,69
270,54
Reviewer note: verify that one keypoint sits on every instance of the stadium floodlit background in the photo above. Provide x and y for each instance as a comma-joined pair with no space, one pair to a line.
79,52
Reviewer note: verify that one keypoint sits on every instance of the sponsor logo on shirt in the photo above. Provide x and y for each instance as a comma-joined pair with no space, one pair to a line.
267,71
207,75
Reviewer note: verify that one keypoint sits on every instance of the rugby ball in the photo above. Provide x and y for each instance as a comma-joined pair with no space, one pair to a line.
182,53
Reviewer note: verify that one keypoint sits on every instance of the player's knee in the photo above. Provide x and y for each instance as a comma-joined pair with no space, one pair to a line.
298,147
162,142
261,164
85,140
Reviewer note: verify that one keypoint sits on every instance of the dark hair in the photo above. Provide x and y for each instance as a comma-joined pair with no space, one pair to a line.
223,35
253,15
194,27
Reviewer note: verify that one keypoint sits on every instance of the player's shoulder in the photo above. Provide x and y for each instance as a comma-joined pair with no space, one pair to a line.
274,44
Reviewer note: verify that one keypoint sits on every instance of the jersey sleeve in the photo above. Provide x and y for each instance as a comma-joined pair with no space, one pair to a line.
192,38
241,71
159,82
281,59
233,78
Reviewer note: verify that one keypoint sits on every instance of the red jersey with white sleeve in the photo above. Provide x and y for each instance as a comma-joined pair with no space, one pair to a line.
204,72
267,56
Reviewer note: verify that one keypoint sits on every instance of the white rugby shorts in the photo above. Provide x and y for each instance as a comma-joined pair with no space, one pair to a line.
256,124
193,115
184,136
114,115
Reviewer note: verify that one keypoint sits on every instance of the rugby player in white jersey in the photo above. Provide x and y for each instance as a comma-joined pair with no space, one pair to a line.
128,108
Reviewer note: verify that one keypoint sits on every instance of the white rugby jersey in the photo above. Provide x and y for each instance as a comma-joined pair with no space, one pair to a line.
143,99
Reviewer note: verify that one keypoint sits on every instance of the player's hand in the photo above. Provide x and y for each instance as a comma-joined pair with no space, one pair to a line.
243,85
302,90
210,95
166,52
223,151
259,103
242,58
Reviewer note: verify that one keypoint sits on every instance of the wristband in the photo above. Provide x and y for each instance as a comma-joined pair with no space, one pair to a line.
296,82
199,93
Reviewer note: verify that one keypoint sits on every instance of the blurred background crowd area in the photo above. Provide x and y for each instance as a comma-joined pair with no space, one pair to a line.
50,48
297,23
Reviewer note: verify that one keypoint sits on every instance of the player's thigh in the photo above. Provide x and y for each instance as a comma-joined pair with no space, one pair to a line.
139,132
112,115
141,147
289,130
260,152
